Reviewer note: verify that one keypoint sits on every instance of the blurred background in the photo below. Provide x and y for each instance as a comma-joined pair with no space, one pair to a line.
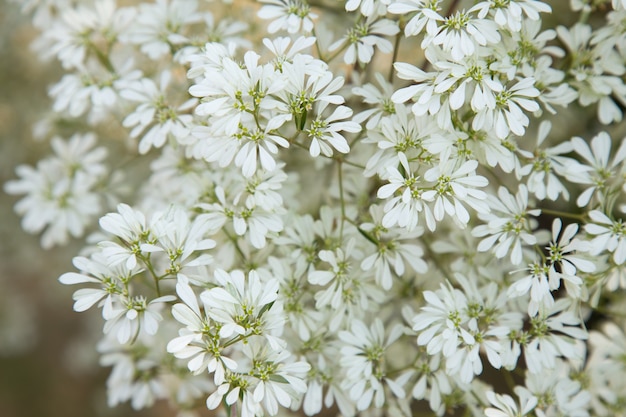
43,369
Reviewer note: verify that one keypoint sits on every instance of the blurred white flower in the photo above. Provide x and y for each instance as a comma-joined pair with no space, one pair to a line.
505,406
160,26
61,192
291,15
609,235
363,37
597,170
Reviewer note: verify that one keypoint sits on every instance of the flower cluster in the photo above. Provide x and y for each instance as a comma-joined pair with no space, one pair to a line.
383,206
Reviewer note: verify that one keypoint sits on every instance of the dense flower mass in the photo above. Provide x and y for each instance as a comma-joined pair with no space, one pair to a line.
365,207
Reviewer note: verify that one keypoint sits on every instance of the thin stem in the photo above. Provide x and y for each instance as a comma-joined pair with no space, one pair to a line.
539,250
453,5
341,199
396,47
434,258
321,5
102,58
155,276
565,214
317,45
357,138
508,378
237,247
337,52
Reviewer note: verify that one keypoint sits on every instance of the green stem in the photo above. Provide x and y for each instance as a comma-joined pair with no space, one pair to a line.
337,52
396,47
320,5
559,213
317,46
233,239
508,378
453,5
434,258
155,276
102,58
341,199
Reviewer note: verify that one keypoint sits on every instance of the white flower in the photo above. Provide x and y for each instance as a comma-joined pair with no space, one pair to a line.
261,145
230,92
456,183
154,111
160,27
471,76
403,210
362,38
279,381
95,270
367,7
179,238
299,236
505,406
324,373
324,132
508,116
400,133
199,341
302,320
555,331
127,317
422,91
83,29
78,154
598,169
461,34
362,355
93,90
131,227
427,15
291,15
565,264
440,323
597,71
604,368
364,348
433,384
245,306
511,14
568,397
375,96
339,262
609,235
348,291
61,191
280,48
510,227
393,250
253,221
536,281
543,166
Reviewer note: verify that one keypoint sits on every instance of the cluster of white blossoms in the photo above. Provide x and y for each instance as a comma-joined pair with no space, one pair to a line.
377,207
